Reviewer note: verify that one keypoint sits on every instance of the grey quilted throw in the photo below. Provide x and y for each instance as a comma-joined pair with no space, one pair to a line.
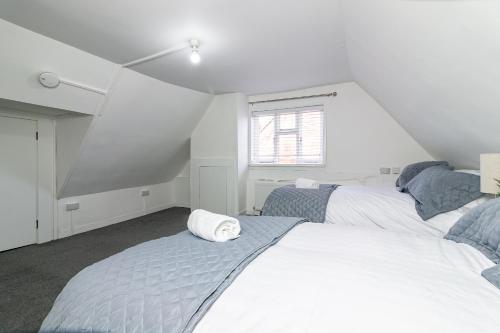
493,275
480,228
165,285
439,190
412,170
291,201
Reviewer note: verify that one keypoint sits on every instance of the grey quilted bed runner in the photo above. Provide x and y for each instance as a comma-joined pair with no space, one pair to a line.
291,201
165,285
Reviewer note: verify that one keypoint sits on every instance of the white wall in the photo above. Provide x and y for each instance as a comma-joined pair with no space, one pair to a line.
70,133
221,137
25,54
242,123
361,137
433,65
106,208
214,143
215,133
96,210
134,136
141,136
182,187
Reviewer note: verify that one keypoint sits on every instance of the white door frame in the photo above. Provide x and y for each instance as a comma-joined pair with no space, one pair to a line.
46,180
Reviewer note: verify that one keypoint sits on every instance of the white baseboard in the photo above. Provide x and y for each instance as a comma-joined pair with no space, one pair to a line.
121,218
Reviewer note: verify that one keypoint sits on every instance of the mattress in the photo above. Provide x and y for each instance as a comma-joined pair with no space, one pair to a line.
333,278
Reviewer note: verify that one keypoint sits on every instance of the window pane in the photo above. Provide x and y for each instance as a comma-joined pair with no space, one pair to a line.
287,144
287,121
312,137
265,139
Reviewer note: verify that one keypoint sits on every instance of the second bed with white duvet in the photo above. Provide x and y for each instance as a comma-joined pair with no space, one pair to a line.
384,207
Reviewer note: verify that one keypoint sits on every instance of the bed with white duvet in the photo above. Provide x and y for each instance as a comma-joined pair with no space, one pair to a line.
331,278
384,207
428,198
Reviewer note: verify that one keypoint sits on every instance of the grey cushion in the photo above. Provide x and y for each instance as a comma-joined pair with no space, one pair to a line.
493,275
412,170
438,190
480,228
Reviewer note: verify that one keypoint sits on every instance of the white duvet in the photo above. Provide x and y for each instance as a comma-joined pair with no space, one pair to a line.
331,278
386,208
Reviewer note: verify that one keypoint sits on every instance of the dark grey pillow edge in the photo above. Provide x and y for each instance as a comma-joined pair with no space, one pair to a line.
442,211
492,275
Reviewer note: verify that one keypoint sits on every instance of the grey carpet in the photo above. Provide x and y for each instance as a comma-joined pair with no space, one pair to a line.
31,277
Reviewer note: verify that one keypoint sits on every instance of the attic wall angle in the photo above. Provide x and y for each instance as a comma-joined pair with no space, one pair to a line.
139,137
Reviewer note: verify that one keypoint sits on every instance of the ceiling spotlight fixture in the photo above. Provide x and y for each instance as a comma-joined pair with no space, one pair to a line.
195,51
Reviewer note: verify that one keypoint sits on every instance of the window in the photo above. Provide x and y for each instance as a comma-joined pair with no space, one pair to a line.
288,137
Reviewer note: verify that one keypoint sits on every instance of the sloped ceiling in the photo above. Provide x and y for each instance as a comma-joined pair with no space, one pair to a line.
137,134
435,67
247,46
142,136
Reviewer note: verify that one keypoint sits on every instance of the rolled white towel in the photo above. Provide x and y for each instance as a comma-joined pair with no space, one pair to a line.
306,183
213,227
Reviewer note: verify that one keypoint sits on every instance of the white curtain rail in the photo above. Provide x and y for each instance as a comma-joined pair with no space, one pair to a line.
333,94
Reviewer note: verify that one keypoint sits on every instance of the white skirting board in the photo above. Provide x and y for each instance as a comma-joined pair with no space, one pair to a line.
103,209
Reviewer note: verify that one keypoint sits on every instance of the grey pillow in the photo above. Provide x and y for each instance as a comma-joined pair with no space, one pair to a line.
493,275
412,170
439,190
480,228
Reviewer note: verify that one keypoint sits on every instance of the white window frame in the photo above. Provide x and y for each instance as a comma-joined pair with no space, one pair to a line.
298,129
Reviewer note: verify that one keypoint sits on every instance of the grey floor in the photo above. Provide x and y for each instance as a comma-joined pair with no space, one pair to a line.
31,277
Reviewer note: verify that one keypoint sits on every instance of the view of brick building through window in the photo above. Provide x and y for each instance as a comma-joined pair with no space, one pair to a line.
288,137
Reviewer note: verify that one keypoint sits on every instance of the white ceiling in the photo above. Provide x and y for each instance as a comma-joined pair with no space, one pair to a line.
435,67
255,46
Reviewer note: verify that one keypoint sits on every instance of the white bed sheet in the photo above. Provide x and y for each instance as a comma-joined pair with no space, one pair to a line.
384,207
331,278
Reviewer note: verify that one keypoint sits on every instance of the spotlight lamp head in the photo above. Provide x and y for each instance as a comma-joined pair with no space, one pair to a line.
195,56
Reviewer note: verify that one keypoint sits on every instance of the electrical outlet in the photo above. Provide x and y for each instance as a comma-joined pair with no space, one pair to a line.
144,193
72,206
385,171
